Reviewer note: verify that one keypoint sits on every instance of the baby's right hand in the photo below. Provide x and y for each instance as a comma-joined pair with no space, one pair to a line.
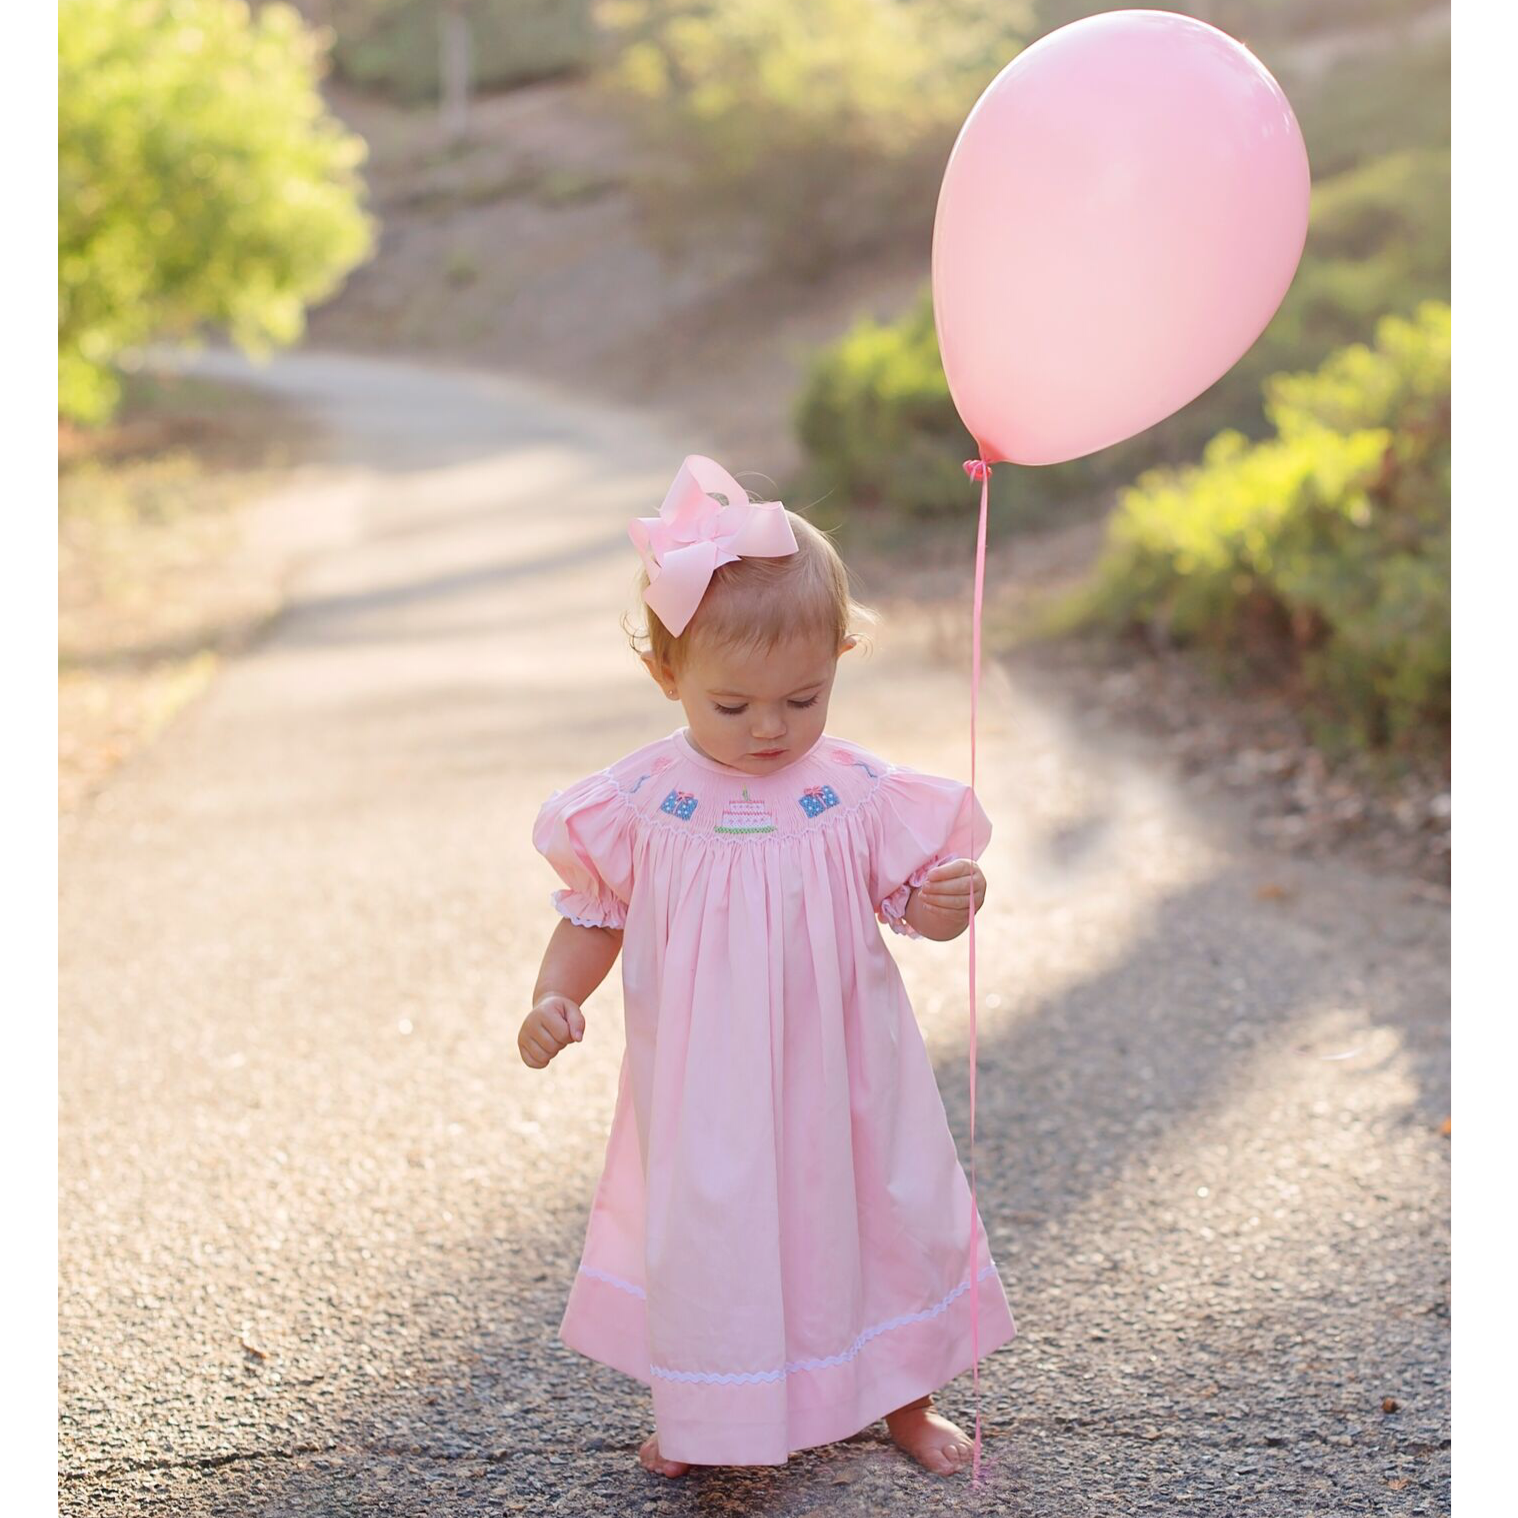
551,1025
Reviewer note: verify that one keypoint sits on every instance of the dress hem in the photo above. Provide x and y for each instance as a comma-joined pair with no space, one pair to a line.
765,1423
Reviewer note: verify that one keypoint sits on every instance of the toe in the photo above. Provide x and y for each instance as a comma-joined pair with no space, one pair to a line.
650,1459
957,1454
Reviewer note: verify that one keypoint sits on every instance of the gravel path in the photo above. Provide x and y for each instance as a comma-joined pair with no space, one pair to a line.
318,1221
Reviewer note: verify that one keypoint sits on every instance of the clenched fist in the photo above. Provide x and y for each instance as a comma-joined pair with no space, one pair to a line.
553,1024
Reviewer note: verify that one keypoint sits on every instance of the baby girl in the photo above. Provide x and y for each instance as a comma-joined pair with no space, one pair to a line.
779,1245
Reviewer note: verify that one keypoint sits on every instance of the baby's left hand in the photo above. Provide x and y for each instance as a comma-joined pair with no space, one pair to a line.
945,894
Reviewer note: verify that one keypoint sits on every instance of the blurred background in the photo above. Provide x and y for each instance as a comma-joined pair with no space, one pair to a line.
721,213
378,319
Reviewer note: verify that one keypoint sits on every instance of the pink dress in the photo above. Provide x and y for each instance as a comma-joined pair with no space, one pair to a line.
778,1244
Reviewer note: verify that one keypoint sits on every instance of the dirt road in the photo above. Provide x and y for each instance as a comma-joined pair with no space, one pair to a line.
319,1221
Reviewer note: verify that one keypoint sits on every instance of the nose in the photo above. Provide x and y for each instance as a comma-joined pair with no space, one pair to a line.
768,726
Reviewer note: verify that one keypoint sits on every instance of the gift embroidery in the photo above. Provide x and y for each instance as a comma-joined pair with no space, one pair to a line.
816,799
679,804
746,816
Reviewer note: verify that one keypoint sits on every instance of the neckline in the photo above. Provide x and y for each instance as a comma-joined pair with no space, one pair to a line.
681,739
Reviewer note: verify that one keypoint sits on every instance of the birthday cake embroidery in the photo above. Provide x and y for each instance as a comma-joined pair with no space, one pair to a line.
746,816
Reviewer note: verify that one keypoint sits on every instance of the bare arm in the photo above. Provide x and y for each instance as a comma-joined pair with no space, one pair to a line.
575,962
940,907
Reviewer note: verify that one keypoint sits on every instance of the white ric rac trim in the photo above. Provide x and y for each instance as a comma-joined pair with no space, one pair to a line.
611,1280
749,1377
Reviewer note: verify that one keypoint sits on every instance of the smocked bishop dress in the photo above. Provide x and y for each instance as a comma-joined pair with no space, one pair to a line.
778,1244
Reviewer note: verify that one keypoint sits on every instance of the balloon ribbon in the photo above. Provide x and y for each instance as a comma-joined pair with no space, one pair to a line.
977,469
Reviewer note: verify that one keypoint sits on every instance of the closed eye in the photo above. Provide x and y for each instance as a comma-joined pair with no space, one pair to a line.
735,711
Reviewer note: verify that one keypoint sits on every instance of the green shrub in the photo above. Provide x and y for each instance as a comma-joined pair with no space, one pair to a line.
199,180
817,126
1381,101
875,418
393,45
1326,546
1378,243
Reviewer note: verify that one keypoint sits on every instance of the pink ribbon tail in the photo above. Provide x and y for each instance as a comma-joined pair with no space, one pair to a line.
979,470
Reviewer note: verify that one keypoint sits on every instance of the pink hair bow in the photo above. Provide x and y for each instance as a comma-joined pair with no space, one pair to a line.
693,534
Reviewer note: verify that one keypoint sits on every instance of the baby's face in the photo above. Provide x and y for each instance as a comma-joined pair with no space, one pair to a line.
757,710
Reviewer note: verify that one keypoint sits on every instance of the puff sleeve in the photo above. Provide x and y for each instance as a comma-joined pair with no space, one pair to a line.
585,833
920,821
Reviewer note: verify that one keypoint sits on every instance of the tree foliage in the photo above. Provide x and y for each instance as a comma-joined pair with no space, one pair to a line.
1328,544
819,125
392,45
200,181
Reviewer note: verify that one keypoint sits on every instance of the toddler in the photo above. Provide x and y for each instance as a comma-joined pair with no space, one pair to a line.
778,1245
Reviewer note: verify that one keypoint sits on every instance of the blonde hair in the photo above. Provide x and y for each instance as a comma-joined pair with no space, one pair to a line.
757,603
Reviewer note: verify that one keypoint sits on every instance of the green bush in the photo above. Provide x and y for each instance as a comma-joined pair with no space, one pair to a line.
875,419
199,180
1378,243
1326,547
393,45
1378,102
817,126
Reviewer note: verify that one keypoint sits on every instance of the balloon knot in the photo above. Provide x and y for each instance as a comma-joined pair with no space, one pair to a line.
978,470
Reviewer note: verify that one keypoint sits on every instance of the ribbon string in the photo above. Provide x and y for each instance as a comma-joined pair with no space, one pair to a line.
976,469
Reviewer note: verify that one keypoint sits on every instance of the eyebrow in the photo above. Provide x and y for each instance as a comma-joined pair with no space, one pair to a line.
743,696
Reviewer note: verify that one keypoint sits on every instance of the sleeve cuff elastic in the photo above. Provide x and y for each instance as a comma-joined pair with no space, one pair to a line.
892,911
589,911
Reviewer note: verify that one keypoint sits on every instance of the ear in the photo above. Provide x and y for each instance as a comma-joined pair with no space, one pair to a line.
663,676
850,641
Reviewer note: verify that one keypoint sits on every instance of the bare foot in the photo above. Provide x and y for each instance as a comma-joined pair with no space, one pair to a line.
929,1438
651,1460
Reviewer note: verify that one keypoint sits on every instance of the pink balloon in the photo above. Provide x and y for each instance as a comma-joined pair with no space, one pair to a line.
1120,217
